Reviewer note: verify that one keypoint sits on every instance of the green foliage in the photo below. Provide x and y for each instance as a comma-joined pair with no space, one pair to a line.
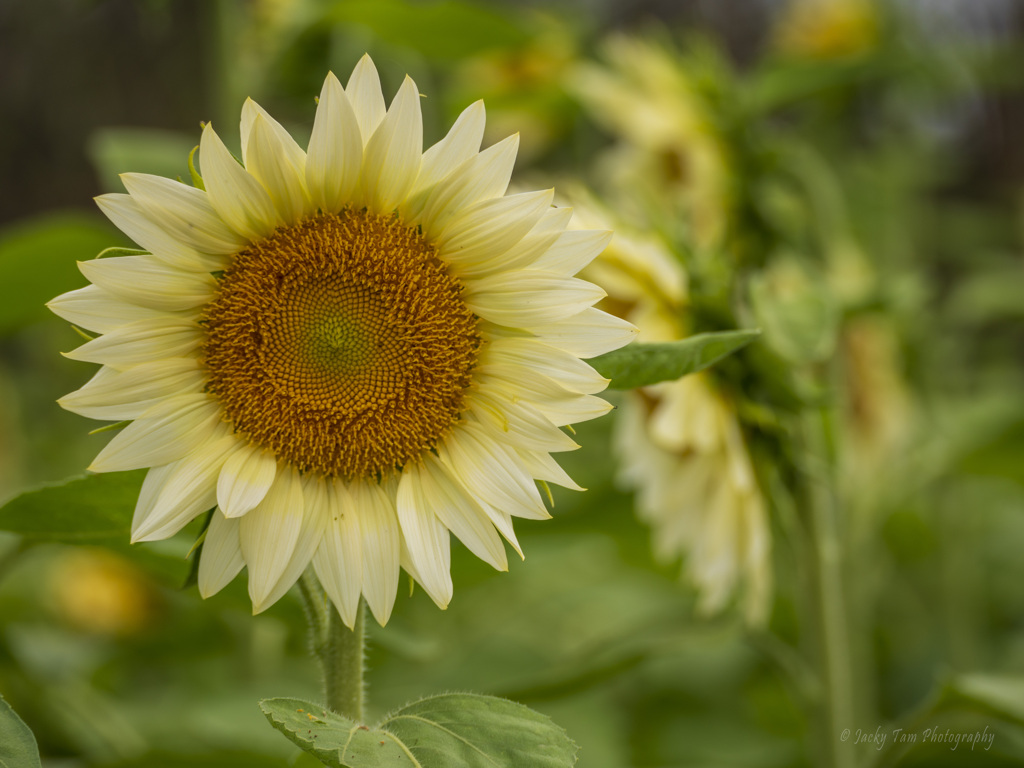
1004,696
455,730
37,262
640,365
142,150
84,510
446,31
17,744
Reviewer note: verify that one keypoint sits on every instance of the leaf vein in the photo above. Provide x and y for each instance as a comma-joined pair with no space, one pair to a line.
450,732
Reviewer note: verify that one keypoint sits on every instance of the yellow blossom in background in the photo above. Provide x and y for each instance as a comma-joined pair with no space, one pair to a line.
679,443
827,29
668,147
523,86
101,593
878,409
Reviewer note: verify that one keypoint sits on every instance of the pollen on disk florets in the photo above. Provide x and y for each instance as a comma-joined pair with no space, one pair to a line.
342,344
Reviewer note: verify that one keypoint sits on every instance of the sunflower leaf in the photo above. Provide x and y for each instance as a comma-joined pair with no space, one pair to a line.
640,365
83,510
455,730
18,748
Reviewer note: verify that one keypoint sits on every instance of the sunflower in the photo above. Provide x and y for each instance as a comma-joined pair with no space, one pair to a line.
679,443
349,351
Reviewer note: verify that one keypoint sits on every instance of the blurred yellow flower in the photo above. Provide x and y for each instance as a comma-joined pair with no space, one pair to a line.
679,443
828,29
101,593
669,145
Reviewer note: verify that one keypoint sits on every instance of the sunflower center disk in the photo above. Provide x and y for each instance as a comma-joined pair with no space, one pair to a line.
341,344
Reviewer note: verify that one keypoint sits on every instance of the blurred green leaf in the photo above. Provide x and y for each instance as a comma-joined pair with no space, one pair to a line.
18,747
83,510
640,365
38,261
786,83
114,151
444,31
1002,694
799,316
456,730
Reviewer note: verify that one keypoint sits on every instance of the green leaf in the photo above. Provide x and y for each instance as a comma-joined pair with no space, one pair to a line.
142,150
38,261
89,509
18,748
640,365
1001,694
449,30
455,730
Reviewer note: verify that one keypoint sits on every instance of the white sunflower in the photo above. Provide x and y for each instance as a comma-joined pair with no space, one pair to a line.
679,443
349,351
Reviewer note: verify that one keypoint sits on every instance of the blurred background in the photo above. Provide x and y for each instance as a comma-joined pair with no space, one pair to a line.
846,175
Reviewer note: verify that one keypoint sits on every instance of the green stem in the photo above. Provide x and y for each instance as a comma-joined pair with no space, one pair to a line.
340,650
829,601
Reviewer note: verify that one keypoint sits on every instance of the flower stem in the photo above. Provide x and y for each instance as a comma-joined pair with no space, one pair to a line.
340,650
829,600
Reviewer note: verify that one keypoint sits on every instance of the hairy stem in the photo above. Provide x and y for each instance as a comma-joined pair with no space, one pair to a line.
340,650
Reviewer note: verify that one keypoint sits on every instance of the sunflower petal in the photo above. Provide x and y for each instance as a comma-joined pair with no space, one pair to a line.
335,154
393,152
221,559
268,535
235,194
338,561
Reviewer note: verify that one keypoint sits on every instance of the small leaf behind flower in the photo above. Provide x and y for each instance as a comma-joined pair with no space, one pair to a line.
640,365
455,730
18,748
83,510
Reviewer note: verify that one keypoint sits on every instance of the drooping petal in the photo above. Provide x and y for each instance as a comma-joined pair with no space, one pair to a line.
238,198
492,472
114,395
338,561
189,490
276,161
268,534
392,160
426,538
221,558
462,515
245,480
183,212
378,524
335,154
166,432
311,533
364,92
149,282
